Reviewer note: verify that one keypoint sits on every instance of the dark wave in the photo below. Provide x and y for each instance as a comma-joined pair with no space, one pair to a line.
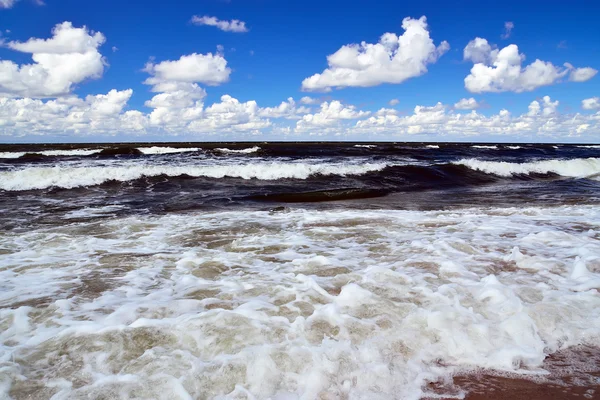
321,195
120,151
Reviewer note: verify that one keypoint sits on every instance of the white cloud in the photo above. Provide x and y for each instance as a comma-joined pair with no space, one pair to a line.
501,70
100,114
591,103
547,107
309,100
330,114
230,115
541,120
209,69
184,113
7,3
287,109
69,57
228,26
394,102
582,74
393,60
508,27
466,104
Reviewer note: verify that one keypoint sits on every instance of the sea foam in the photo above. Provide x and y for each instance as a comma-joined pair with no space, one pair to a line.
575,168
302,304
70,177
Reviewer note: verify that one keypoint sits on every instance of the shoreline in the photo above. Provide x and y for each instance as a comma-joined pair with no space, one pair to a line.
574,373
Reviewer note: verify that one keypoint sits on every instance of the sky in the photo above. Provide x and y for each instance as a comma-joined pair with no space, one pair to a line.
266,70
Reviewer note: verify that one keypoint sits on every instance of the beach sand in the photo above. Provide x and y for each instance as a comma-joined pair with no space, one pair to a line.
573,374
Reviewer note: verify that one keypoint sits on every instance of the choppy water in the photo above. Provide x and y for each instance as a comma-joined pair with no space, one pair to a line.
291,271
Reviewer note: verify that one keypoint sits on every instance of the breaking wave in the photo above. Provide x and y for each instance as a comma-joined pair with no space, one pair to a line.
238,151
71,177
574,168
166,150
51,153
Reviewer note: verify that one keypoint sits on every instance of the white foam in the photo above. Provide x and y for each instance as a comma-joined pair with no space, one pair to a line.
366,146
304,304
70,177
76,152
166,150
432,146
514,147
238,151
485,147
575,168
11,154
590,146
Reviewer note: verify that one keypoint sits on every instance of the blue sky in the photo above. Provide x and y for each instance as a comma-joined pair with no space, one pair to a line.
287,42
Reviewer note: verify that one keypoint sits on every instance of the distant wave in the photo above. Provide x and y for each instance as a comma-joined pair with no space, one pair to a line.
575,168
432,146
590,146
238,151
485,147
166,150
70,177
51,153
366,146
513,147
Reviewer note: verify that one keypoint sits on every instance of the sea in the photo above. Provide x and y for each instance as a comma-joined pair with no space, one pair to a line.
294,270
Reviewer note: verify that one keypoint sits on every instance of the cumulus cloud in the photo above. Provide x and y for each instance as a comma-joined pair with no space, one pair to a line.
230,115
309,100
393,59
209,69
234,25
508,27
581,74
175,113
546,107
466,104
330,114
7,3
69,57
90,115
287,109
542,119
501,70
394,102
591,103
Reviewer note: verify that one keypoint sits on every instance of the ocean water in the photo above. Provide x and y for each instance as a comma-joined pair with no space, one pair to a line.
291,271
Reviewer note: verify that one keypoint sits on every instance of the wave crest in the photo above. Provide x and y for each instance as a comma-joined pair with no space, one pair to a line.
575,168
71,177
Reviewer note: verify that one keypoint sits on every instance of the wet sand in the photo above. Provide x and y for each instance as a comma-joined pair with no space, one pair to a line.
573,374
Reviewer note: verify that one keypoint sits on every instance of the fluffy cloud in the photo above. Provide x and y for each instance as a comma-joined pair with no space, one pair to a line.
329,116
7,3
508,27
177,113
309,100
228,26
547,107
393,60
466,104
230,115
287,109
209,69
591,103
502,71
581,74
94,114
69,57
542,120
